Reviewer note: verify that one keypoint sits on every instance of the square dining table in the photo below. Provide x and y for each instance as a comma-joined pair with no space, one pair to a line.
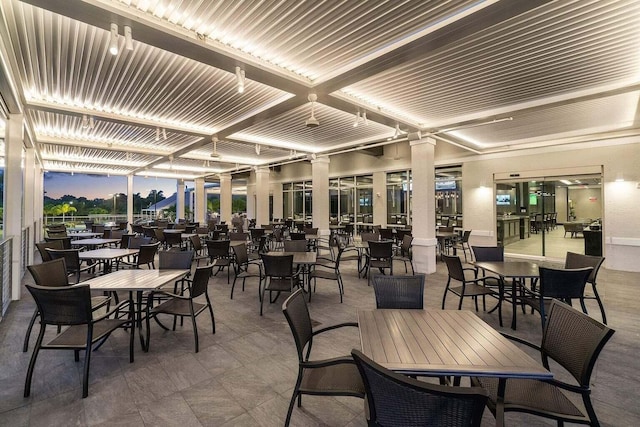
138,281
94,243
444,343
107,255
518,272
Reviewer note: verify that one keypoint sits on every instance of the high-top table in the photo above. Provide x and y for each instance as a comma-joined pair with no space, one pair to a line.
518,272
444,343
139,281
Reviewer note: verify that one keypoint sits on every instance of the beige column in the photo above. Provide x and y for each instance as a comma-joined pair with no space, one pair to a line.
276,191
320,182
225,197
262,196
423,217
130,199
13,196
180,199
200,205
380,198
29,201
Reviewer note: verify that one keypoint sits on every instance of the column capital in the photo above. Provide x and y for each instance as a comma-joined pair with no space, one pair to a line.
424,140
262,169
321,159
225,176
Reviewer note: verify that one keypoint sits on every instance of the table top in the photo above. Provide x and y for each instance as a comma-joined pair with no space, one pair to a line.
442,342
527,269
83,234
108,253
135,279
445,234
299,257
93,242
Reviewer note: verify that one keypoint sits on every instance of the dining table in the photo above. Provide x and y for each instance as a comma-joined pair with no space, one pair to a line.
94,243
138,281
303,259
516,271
443,343
107,256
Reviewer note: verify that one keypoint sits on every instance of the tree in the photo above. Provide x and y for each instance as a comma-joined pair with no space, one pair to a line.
66,208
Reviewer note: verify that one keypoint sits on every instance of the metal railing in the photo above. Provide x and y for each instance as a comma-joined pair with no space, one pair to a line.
5,274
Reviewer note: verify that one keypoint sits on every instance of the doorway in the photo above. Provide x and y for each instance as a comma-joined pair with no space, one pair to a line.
547,217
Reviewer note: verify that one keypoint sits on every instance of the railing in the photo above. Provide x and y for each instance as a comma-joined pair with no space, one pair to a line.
25,246
5,275
97,218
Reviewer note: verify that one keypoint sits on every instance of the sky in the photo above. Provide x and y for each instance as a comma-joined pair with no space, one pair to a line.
57,184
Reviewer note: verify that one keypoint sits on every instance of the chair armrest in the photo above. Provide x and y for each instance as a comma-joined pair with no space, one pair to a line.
328,362
118,307
339,325
521,341
168,294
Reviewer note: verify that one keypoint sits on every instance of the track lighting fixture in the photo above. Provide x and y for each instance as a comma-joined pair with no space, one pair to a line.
128,40
360,118
157,134
214,153
85,122
397,133
92,122
240,79
113,41
364,118
356,122
164,134
312,122
258,149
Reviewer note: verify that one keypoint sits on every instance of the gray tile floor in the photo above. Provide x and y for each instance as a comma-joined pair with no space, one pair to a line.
244,374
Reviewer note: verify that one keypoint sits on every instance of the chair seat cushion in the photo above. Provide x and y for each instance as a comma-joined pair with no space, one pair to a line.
178,307
472,289
538,396
324,274
341,378
76,336
275,284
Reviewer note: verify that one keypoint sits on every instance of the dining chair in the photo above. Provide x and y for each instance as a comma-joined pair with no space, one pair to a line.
490,254
396,400
198,249
66,241
469,287
571,339
43,246
462,243
380,256
220,255
405,252
327,269
71,306
295,245
561,284
172,239
387,234
297,236
338,376
279,276
146,257
73,262
242,267
136,241
574,260
176,260
179,305
399,291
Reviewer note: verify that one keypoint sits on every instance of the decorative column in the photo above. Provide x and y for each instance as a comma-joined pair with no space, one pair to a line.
225,197
180,200
380,198
200,205
423,219
29,202
14,196
320,182
276,191
262,196
130,199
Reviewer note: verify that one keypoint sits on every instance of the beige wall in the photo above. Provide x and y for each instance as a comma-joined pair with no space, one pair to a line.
587,202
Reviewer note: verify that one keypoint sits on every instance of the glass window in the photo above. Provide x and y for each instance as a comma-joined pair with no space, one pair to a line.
448,186
297,200
398,197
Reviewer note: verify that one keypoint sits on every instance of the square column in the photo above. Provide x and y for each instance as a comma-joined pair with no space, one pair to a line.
130,199
200,205
262,196
423,205
13,196
180,200
225,198
29,200
320,182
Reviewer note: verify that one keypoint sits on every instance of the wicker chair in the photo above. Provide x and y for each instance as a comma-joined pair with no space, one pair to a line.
242,266
295,245
198,249
66,241
176,260
146,256
395,400
279,276
328,270
380,256
332,377
172,239
573,340
490,254
561,284
184,305
219,255
463,244
405,255
71,306
43,246
469,287
136,242
574,260
72,262
399,291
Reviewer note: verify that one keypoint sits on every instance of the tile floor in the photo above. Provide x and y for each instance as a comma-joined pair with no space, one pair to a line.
244,374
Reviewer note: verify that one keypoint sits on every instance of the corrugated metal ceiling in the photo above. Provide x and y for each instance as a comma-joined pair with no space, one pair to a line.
558,68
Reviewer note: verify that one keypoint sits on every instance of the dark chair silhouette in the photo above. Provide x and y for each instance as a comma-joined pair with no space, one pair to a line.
328,270
279,276
146,257
172,239
239,237
399,291
43,246
405,252
490,254
72,261
53,274
71,306
295,245
561,284
176,260
184,305
463,244
198,249
469,287
137,241
574,341
395,400
124,240
332,377
574,260
387,234
243,263
380,256
66,241
298,236
219,255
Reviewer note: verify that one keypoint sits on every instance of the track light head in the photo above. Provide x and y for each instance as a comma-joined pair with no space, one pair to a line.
258,149
157,134
240,79
113,40
312,122
128,40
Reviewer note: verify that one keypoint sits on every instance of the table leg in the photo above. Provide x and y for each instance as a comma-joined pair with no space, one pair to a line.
514,304
143,343
502,383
